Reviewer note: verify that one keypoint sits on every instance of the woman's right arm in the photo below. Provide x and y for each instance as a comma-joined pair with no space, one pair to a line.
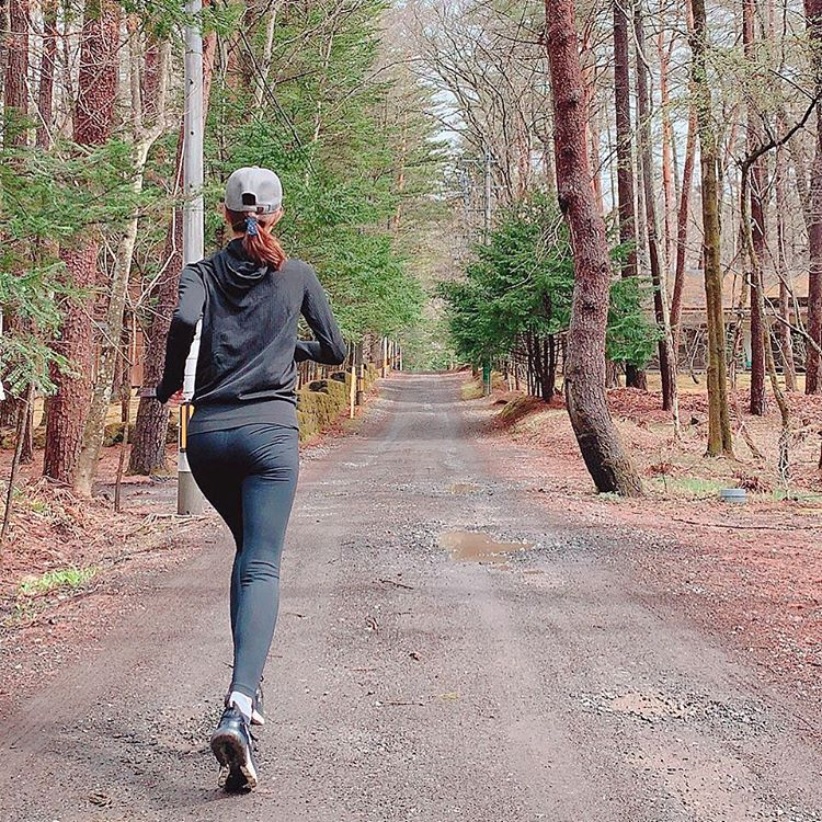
329,348
189,309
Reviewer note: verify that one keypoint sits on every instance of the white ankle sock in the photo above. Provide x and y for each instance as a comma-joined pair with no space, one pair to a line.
242,703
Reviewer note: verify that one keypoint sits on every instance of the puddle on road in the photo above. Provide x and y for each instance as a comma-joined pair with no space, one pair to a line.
470,546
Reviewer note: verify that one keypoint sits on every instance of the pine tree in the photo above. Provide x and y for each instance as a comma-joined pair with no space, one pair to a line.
603,453
93,122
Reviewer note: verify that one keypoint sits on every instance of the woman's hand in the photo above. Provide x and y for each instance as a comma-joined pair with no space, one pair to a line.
175,400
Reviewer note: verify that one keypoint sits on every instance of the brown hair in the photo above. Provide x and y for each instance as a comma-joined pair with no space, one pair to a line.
262,246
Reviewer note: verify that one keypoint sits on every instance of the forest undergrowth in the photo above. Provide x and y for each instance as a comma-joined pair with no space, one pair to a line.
748,572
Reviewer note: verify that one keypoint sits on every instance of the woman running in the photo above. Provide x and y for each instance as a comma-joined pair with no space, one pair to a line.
242,439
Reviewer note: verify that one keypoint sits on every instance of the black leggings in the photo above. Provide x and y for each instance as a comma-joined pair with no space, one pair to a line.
249,474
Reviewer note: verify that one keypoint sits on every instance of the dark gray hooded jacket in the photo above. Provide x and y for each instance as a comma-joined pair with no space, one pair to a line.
248,347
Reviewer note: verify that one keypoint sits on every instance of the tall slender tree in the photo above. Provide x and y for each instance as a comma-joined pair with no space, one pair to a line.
15,90
634,377
15,99
683,213
45,90
719,425
603,453
667,361
144,134
682,221
783,329
757,218
813,364
93,122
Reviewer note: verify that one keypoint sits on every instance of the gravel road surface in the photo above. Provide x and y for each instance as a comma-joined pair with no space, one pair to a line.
446,651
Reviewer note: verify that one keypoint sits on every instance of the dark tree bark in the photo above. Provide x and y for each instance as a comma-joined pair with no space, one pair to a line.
667,361
757,225
682,229
45,92
15,94
148,450
783,328
93,120
682,217
719,424
598,439
17,70
813,365
634,377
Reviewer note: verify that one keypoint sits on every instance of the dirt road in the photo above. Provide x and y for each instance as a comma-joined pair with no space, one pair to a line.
411,681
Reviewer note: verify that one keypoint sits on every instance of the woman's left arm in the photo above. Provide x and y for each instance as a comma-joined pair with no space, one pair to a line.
329,348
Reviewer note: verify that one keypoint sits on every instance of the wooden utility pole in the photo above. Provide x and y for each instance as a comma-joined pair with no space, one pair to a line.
189,497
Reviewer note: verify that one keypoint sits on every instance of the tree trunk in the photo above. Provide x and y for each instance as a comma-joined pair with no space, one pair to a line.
667,361
813,377
24,413
682,230
719,424
93,119
598,439
45,93
118,288
15,92
15,99
67,408
634,377
668,170
757,228
758,295
785,285
547,384
261,77
684,209
552,365
109,353
148,451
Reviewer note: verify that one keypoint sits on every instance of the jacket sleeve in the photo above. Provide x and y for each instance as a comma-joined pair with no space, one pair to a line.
329,348
190,303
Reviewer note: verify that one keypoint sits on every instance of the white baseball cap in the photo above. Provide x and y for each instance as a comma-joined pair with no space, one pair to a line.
253,190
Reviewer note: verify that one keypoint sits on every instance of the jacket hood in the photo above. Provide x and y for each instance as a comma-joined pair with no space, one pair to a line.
236,274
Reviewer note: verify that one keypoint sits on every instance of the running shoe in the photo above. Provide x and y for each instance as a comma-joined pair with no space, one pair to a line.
231,744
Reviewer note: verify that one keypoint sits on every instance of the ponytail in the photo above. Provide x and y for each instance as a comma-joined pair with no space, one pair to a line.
259,244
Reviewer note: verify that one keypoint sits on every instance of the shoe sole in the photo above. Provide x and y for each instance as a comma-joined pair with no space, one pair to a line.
257,718
230,751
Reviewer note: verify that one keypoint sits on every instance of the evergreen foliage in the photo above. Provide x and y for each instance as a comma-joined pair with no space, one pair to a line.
323,127
48,199
521,282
